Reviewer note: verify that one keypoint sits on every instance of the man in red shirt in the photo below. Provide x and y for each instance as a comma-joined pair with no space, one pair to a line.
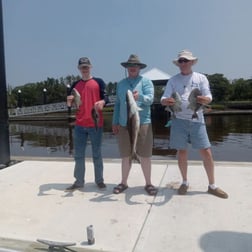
90,98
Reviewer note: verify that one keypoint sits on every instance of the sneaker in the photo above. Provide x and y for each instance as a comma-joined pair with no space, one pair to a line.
101,185
183,189
73,187
218,192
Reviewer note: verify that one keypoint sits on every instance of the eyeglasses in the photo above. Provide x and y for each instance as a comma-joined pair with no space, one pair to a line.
183,60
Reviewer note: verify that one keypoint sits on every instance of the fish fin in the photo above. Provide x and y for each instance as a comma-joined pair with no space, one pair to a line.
195,116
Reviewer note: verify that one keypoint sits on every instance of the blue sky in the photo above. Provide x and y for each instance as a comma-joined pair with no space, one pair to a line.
45,38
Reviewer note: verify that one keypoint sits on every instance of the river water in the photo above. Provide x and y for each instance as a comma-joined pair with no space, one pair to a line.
230,136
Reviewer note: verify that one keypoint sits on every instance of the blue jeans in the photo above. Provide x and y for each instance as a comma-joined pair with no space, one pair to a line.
81,135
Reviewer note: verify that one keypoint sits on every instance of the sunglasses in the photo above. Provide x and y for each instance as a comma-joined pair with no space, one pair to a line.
183,60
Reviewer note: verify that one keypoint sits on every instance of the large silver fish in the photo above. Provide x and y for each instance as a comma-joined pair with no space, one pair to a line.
95,116
133,123
176,107
193,104
77,98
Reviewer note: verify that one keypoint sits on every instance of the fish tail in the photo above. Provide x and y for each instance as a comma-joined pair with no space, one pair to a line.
135,157
195,116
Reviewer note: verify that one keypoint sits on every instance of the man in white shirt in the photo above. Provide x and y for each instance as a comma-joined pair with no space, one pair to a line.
188,126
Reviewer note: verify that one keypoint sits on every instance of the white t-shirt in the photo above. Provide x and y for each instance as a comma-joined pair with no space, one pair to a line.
183,85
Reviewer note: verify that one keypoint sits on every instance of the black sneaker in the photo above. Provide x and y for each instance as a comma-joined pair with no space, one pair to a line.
73,187
101,185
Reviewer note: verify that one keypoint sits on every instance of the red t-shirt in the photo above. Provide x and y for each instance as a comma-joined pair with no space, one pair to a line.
90,93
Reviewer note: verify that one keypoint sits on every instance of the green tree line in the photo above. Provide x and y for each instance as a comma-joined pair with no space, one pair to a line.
55,90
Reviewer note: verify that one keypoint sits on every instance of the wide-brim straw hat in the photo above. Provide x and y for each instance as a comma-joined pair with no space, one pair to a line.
133,61
185,54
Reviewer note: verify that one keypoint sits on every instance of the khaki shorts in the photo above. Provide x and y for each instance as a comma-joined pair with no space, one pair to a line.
144,141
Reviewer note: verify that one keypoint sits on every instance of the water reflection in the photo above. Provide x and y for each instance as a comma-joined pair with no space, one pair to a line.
221,126
52,136
230,135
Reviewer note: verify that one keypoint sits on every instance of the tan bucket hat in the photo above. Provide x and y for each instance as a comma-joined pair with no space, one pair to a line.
133,61
185,54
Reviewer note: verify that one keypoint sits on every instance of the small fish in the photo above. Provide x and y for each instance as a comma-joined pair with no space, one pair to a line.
176,107
133,123
95,116
193,104
77,98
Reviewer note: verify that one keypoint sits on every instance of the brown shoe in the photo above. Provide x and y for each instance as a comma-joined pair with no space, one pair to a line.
218,192
183,189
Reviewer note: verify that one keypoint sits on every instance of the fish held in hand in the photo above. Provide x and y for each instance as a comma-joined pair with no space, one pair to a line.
193,104
95,117
176,107
77,98
133,123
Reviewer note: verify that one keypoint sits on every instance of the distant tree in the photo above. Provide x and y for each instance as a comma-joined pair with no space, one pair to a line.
158,92
241,90
111,88
69,79
220,87
29,94
56,91
11,99
32,93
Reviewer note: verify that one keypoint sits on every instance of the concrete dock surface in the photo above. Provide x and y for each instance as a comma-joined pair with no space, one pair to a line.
33,204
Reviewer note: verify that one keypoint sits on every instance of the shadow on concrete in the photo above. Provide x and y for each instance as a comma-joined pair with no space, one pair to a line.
45,188
131,194
222,241
164,196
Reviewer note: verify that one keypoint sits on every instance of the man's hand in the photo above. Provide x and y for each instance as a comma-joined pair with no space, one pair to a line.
135,95
115,128
99,105
168,101
204,100
70,99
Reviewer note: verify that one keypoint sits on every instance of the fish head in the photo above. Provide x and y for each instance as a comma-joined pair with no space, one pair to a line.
195,92
131,103
193,95
176,96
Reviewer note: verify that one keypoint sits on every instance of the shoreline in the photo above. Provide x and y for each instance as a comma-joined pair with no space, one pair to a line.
65,116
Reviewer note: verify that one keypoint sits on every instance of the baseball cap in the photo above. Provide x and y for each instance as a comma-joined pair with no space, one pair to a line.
84,61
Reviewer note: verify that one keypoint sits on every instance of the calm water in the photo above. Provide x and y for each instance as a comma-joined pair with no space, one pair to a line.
230,135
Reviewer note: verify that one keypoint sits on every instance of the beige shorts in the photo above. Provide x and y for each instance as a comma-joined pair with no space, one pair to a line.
144,141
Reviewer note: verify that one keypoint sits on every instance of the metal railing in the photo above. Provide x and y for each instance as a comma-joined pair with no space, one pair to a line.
39,109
